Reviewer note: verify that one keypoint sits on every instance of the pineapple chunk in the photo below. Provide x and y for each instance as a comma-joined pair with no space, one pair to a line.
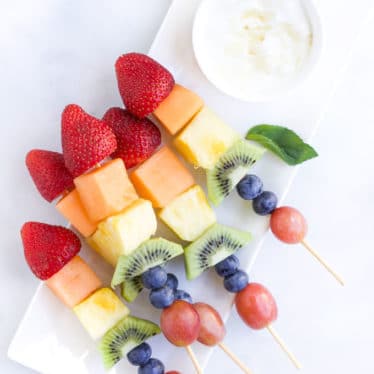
100,312
205,139
123,233
189,214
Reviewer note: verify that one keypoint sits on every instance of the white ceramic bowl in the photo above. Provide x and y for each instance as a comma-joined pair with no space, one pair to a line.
203,16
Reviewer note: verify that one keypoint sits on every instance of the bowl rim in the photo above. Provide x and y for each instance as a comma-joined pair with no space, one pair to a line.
315,21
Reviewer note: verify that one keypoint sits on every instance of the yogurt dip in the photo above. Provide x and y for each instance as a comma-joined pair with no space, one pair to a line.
252,49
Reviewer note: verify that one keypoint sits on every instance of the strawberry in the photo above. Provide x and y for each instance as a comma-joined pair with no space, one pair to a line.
143,83
49,173
48,248
136,138
85,140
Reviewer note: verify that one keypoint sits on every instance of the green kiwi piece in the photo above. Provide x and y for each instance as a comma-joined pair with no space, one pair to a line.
131,288
151,253
231,167
216,244
123,337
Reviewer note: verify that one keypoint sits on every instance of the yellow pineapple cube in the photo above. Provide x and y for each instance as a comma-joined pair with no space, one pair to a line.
124,232
205,139
100,312
189,214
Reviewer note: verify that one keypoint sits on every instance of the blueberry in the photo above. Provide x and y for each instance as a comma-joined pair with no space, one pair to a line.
153,366
162,297
249,187
140,355
183,295
265,203
154,278
228,266
172,281
236,282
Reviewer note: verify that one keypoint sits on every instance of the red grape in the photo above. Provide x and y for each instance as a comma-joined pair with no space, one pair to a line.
180,323
212,328
256,306
288,225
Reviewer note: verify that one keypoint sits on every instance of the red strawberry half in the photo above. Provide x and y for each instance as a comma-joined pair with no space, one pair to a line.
49,173
143,83
48,248
136,138
85,140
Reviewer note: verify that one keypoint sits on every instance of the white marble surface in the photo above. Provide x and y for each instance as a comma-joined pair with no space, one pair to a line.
330,329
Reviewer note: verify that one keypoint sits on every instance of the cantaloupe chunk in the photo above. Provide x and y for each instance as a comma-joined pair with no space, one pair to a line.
106,190
205,139
100,312
178,109
74,282
161,178
189,214
70,206
124,232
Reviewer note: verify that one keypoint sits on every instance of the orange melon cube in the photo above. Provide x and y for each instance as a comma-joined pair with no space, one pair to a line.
74,282
178,109
70,206
105,191
161,178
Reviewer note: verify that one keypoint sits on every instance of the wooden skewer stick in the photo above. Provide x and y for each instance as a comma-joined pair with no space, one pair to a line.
193,358
234,358
283,346
322,261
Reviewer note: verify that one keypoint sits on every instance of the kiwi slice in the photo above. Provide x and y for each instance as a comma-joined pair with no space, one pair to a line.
123,337
131,288
231,167
151,253
216,244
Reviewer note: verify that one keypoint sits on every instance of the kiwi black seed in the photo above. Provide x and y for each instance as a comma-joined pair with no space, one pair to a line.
216,244
131,288
123,337
232,166
151,253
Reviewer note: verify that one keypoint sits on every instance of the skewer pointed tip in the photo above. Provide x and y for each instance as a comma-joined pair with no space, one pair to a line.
193,358
322,262
281,343
234,358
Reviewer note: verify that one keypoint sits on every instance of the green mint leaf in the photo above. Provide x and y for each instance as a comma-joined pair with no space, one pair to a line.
283,142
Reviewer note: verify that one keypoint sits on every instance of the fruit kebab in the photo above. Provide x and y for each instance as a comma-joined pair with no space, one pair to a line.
52,254
95,183
207,142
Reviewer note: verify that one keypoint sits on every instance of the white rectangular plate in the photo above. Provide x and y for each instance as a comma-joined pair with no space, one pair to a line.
49,339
